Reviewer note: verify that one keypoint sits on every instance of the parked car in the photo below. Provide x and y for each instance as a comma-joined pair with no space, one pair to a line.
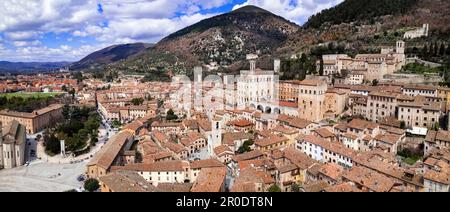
81,178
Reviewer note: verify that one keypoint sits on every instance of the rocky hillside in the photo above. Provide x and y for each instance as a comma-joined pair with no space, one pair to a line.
110,55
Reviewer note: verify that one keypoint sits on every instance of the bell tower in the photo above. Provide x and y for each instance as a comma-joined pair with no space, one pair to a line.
400,48
215,138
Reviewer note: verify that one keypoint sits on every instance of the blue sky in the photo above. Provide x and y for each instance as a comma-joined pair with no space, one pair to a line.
68,30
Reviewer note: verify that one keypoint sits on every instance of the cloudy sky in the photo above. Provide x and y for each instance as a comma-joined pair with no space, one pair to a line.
68,30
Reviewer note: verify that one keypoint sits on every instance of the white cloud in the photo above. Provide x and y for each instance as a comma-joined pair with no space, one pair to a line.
21,35
46,54
295,10
26,43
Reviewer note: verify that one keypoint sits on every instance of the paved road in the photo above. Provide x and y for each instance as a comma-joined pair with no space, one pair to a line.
41,177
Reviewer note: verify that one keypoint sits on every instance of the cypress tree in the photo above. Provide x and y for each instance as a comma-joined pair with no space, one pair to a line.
442,49
436,49
425,51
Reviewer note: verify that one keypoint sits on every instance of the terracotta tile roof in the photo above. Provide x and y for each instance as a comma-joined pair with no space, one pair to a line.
175,187
385,165
314,169
298,158
288,104
166,124
369,179
318,186
274,139
350,135
343,187
222,149
287,168
205,124
247,181
324,133
159,136
164,166
312,82
294,121
285,130
440,135
210,180
388,138
341,126
174,147
442,177
332,171
229,137
125,181
241,123
248,156
361,124
210,163
105,157
257,163
134,126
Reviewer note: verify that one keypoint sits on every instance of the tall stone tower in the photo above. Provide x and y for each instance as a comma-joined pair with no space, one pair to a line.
400,48
277,65
400,55
215,138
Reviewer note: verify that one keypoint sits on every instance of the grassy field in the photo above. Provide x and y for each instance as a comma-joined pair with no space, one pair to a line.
29,95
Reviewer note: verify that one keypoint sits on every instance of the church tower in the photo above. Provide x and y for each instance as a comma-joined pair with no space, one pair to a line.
400,55
215,138
277,65
400,48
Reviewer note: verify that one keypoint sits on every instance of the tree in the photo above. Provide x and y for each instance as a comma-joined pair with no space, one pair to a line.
51,143
447,51
425,51
72,92
436,49
436,127
66,111
78,76
38,137
402,125
246,147
442,50
274,188
321,66
171,115
295,187
375,82
137,101
431,50
160,103
91,185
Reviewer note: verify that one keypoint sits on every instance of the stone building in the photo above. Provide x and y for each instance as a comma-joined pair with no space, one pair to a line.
35,121
12,145
312,99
